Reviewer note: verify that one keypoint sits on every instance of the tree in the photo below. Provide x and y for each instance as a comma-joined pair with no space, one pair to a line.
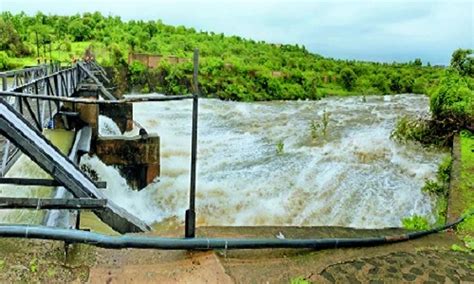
349,78
79,30
395,84
380,82
462,60
453,100
10,40
417,62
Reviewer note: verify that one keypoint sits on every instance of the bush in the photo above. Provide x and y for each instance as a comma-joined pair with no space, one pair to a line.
4,61
349,78
453,101
419,86
137,73
380,82
444,170
408,129
462,60
433,187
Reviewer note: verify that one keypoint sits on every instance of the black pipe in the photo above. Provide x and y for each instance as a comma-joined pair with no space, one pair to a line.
133,241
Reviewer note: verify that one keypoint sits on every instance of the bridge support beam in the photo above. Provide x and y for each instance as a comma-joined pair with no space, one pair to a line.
138,157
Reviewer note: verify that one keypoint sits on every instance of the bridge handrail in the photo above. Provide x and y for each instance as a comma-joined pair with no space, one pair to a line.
14,72
148,98
31,83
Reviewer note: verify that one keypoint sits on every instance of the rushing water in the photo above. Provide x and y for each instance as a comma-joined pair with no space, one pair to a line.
354,176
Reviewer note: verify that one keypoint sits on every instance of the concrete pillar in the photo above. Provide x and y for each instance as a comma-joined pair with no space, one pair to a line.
121,114
138,157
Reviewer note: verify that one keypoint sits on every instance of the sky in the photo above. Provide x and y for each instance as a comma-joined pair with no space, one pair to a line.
374,30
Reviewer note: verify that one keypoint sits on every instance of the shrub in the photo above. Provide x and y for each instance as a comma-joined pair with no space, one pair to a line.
415,223
4,61
411,129
419,86
349,78
462,60
453,101
444,170
434,187
280,147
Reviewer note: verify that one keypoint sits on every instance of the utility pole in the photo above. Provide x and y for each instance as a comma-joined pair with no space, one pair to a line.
37,48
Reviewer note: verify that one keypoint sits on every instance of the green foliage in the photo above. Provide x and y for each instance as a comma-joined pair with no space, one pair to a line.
325,122
466,181
34,265
231,67
299,280
433,187
4,61
78,30
320,129
444,169
439,188
415,223
381,83
462,60
453,100
280,147
348,78
418,62
314,129
468,245
420,86
10,40
467,225
409,129
441,209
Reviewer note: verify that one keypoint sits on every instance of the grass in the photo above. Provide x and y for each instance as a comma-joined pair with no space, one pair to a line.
467,178
415,223
77,50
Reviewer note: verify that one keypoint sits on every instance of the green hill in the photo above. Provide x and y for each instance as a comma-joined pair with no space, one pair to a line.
231,67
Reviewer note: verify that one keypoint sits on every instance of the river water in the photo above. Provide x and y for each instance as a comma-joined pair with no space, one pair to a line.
353,175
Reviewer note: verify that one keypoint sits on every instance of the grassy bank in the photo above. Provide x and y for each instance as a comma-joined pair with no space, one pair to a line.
466,185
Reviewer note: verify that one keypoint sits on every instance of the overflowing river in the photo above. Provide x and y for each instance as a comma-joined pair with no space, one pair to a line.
271,163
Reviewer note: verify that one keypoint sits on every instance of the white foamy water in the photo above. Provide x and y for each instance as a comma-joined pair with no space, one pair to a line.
107,127
356,176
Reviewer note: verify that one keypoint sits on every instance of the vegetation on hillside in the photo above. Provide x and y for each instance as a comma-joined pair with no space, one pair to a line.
235,68
451,105
231,67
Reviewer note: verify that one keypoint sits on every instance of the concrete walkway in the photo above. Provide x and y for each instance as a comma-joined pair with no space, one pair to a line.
426,260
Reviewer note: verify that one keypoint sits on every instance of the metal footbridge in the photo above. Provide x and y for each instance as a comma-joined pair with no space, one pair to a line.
28,104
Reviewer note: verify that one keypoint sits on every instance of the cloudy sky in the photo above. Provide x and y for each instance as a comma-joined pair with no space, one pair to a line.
375,30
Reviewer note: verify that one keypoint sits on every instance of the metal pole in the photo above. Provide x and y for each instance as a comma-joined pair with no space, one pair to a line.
190,222
4,83
37,48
